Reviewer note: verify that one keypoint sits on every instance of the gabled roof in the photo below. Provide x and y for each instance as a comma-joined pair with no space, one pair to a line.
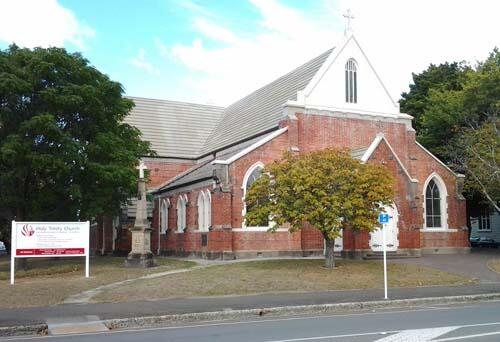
205,170
262,110
175,129
373,146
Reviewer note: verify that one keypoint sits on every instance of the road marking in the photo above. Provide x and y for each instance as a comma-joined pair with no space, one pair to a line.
263,320
222,323
417,335
336,336
468,336
413,335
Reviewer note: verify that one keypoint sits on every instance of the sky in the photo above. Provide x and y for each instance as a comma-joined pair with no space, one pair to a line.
217,51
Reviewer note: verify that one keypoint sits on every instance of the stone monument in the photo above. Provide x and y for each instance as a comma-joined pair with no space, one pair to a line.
140,255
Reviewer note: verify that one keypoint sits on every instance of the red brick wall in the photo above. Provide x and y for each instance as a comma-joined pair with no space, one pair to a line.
266,153
266,241
317,132
161,171
311,238
311,133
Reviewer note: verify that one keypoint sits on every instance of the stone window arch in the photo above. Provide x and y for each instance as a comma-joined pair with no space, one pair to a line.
435,203
351,81
165,203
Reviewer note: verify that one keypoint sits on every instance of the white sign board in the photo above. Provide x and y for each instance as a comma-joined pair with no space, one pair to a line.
49,239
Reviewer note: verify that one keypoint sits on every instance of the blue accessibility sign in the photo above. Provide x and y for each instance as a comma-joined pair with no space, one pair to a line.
383,218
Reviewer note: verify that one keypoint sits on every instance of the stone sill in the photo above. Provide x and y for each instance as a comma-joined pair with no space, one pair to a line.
439,230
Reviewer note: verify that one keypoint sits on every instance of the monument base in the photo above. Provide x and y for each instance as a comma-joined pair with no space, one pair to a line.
137,260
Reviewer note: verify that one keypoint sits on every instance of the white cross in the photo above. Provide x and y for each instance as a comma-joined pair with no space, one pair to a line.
348,16
141,169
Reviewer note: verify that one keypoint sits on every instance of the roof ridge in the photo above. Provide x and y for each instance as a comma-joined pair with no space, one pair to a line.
280,78
260,103
174,101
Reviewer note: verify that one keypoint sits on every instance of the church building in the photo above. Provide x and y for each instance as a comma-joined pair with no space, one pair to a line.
208,156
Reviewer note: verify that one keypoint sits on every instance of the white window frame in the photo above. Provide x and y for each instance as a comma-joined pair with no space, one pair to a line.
484,220
208,210
165,203
249,172
181,213
201,211
204,210
443,194
351,81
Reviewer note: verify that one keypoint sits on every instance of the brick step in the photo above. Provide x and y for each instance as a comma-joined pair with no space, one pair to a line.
390,255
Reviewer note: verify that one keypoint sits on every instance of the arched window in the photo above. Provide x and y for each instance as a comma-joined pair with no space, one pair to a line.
201,210
435,203
208,210
164,215
181,213
253,173
204,210
351,81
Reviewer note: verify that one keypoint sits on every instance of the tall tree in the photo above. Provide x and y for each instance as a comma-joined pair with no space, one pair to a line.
327,189
65,152
442,77
459,124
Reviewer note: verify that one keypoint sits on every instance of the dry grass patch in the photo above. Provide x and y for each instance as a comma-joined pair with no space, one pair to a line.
49,282
278,276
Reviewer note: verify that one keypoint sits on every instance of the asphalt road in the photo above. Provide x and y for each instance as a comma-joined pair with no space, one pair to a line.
33,315
479,322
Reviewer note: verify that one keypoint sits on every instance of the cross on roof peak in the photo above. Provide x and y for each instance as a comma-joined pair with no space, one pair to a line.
349,16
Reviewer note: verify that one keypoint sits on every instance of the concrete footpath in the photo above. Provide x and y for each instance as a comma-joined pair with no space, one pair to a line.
108,311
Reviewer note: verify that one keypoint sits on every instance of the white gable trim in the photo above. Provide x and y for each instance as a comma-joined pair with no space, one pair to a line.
251,147
331,59
436,159
373,146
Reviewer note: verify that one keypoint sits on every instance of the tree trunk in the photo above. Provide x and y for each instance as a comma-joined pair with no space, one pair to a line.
329,256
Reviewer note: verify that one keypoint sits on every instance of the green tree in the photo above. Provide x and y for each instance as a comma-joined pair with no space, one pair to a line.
459,126
480,157
443,77
65,152
327,189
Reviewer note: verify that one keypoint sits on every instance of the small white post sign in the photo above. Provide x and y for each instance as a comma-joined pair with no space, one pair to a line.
384,219
49,239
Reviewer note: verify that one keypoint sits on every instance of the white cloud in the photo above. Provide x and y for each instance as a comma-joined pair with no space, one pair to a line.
399,37
41,23
162,48
214,31
140,63
194,7
226,73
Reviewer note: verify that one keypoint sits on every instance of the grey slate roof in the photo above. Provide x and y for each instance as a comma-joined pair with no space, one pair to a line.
358,153
261,110
175,129
198,172
205,170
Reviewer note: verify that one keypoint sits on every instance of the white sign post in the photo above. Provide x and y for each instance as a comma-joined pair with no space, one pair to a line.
384,219
49,239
